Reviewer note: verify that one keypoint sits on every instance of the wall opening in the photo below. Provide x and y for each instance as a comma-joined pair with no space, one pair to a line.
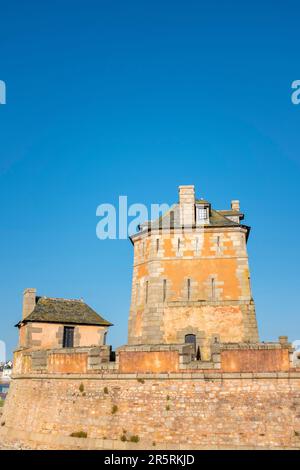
146,293
213,289
164,290
191,339
188,289
68,338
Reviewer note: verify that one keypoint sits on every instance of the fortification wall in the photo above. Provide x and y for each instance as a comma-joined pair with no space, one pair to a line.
176,410
247,396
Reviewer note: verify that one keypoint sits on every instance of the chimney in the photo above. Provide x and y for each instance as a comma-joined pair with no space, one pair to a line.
235,205
187,205
29,301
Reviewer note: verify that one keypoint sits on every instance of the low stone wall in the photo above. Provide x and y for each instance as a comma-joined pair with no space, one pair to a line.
61,360
157,358
196,410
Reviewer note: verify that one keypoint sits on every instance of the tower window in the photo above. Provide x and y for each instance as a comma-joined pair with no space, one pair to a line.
188,289
146,293
164,290
213,289
68,338
191,339
157,244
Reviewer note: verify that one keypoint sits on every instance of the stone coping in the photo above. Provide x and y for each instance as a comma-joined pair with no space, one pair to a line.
74,350
206,375
200,303
180,347
243,346
184,347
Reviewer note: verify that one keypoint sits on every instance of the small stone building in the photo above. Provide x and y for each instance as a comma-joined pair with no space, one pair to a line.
49,323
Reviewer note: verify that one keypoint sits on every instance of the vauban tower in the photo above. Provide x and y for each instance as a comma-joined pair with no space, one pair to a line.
191,279
193,374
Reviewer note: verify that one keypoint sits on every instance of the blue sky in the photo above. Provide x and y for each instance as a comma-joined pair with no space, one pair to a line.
109,98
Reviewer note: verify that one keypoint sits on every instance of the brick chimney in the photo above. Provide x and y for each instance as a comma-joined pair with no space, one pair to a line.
29,301
235,205
187,205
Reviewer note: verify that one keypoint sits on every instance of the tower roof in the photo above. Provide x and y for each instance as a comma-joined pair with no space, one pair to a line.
171,219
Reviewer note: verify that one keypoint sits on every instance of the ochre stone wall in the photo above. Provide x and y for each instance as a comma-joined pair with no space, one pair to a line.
255,360
67,363
37,335
192,282
152,361
215,411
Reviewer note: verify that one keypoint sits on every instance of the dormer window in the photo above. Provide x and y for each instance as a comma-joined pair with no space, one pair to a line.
202,212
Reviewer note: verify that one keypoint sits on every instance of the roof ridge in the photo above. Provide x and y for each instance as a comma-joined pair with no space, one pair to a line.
62,299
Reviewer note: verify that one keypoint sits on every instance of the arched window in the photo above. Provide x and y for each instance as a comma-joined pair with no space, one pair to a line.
191,339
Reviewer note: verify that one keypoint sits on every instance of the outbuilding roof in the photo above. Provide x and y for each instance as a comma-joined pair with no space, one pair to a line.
53,310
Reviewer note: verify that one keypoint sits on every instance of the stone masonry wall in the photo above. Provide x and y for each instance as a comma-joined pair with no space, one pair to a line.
197,280
205,410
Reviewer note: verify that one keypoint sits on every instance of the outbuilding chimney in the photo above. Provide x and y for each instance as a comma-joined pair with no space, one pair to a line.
29,301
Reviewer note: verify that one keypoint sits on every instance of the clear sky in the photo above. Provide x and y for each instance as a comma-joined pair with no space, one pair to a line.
109,98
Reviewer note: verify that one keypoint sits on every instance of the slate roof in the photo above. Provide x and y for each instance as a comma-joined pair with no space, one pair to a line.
52,310
216,219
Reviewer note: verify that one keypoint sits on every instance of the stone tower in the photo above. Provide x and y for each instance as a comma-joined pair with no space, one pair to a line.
191,280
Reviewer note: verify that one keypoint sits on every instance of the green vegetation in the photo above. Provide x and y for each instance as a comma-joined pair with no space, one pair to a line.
141,381
168,408
1,402
123,438
134,438
81,387
105,390
81,434
114,409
